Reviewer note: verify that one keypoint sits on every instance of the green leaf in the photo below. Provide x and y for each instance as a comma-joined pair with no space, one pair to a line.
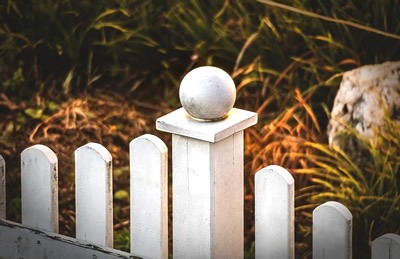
121,195
34,113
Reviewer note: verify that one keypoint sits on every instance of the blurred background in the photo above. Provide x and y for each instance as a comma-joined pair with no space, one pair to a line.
73,72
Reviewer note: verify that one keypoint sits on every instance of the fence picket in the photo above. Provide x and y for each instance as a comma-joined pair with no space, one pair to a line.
274,213
386,247
149,197
94,204
2,188
39,188
332,231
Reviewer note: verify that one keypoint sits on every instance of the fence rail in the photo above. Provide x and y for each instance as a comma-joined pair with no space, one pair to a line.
21,241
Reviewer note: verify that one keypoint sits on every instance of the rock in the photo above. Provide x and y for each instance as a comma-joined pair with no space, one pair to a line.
364,95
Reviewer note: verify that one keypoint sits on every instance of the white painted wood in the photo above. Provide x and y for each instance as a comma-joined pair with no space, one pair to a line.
227,192
332,231
149,197
18,241
2,188
191,198
207,183
39,188
93,186
274,213
208,197
181,123
386,247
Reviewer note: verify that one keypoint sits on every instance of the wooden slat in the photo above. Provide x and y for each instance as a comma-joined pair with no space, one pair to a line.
18,241
332,231
94,197
227,197
208,197
191,198
2,188
274,213
149,197
386,247
39,188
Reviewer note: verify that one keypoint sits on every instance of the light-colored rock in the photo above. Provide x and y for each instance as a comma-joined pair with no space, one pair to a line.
364,95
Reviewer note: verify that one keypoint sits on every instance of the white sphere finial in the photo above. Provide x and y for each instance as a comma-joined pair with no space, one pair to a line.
207,93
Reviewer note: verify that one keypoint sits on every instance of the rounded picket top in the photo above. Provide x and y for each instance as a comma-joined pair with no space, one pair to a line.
332,231
275,173
333,207
386,246
39,151
149,140
95,149
392,237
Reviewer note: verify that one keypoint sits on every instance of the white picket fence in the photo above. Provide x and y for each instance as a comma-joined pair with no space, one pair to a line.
207,189
37,236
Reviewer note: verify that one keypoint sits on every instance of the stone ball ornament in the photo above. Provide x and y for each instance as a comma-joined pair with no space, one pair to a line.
207,93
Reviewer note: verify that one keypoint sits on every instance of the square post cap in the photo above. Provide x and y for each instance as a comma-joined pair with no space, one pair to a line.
181,123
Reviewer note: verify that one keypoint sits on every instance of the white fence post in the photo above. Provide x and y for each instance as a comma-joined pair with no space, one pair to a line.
332,231
274,213
94,197
2,188
39,188
386,247
149,197
207,159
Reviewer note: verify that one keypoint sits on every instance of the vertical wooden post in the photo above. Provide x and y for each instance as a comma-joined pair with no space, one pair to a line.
39,188
94,197
207,183
149,197
274,213
386,247
332,231
2,188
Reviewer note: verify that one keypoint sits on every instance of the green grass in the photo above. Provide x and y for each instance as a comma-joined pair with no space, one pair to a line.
367,182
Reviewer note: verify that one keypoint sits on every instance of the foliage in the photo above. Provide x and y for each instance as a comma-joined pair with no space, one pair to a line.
368,187
122,239
69,45
286,65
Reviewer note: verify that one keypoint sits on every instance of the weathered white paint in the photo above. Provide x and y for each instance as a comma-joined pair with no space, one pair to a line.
386,247
39,188
207,187
191,198
18,241
2,188
227,197
149,197
207,93
94,204
332,231
179,122
208,197
274,213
